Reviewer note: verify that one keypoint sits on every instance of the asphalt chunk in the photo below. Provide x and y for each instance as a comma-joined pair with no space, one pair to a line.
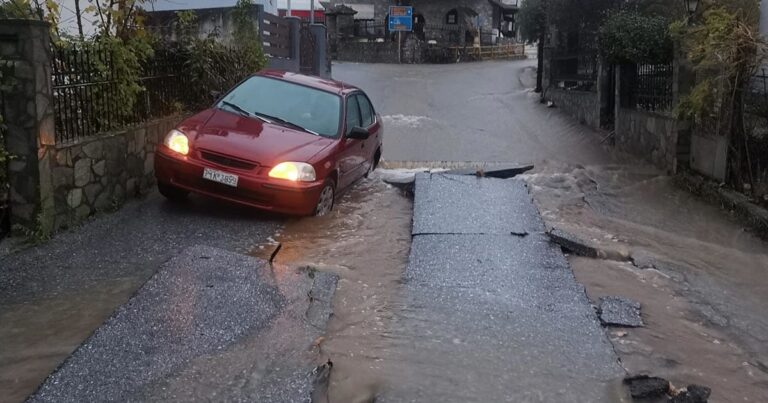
620,311
209,325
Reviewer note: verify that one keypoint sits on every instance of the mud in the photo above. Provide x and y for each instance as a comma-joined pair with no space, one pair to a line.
366,242
702,287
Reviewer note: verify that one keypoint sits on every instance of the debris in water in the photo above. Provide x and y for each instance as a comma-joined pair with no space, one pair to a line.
642,259
620,311
502,171
322,378
572,243
693,394
644,386
274,253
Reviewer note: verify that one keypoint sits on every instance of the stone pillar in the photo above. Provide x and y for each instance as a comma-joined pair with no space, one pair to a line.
25,45
322,65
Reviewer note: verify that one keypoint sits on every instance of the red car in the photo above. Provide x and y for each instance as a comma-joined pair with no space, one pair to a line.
278,141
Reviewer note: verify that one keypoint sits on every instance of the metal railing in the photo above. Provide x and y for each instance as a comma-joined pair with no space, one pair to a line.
649,87
575,71
86,91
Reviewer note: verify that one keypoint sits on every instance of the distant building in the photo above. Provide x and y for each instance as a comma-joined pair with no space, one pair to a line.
214,18
485,15
270,6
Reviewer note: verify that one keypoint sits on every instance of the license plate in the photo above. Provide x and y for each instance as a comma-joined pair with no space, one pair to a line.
221,177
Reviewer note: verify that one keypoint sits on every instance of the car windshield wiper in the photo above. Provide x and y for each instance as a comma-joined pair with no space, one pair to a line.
285,122
243,111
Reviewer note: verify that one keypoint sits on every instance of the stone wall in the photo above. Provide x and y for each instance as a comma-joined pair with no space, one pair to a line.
582,105
651,136
100,174
367,52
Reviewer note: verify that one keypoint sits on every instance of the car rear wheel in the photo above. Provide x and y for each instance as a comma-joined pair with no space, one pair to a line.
172,193
326,200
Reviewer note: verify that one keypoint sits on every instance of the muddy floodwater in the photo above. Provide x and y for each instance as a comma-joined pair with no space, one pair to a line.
700,276
365,241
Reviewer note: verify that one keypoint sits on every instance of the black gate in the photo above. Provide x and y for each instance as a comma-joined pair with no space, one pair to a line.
307,51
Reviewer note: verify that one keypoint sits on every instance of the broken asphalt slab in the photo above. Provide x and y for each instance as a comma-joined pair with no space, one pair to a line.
406,181
620,311
501,316
209,325
573,244
455,204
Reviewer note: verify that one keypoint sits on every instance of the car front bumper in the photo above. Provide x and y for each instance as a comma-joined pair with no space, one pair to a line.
254,190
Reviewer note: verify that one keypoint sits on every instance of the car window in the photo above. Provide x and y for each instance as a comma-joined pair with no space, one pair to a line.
353,113
366,110
311,108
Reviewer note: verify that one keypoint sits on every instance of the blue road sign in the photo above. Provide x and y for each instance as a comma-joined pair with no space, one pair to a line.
400,18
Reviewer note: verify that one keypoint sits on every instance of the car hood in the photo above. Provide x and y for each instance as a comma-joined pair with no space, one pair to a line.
251,139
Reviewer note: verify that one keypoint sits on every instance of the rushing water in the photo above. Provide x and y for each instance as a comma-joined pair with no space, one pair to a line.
704,302
366,242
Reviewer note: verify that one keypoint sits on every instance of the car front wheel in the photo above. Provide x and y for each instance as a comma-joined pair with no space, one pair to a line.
326,200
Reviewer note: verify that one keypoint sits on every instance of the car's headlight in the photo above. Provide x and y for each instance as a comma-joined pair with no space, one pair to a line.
293,171
177,141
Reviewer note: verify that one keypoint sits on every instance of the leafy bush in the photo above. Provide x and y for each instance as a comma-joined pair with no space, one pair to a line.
627,36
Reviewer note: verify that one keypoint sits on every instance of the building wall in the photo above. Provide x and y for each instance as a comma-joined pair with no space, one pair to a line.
210,21
650,136
434,11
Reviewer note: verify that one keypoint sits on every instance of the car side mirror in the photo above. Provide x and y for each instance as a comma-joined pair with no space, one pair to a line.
358,133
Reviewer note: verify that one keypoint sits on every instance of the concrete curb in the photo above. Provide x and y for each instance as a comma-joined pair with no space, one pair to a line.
749,213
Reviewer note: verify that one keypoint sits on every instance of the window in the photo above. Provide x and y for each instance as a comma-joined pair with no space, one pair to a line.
366,110
353,113
452,17
314,109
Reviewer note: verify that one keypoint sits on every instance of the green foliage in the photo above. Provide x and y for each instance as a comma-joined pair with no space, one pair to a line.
35,235
18,9
214,66
627,36
532,20
724,50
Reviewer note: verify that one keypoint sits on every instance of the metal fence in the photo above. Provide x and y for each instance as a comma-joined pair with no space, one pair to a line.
87,98
575,70
756,125
648,87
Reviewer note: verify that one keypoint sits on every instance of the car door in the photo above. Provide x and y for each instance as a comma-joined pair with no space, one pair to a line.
351,157
370,122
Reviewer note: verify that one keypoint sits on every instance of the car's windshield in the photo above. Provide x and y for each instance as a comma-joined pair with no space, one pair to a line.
315,110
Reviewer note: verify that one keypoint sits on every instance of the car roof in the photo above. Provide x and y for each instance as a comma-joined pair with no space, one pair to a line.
328,85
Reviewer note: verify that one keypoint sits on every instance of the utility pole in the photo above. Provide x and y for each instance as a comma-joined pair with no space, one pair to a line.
312,11
288,12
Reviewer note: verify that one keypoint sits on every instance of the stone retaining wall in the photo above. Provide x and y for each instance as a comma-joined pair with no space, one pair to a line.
367,52
100,174
582,105
651,136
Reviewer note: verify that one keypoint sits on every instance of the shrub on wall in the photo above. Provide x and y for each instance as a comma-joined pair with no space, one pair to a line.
627,36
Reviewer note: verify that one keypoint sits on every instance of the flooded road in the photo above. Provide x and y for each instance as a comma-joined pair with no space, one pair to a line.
700,277
365,241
